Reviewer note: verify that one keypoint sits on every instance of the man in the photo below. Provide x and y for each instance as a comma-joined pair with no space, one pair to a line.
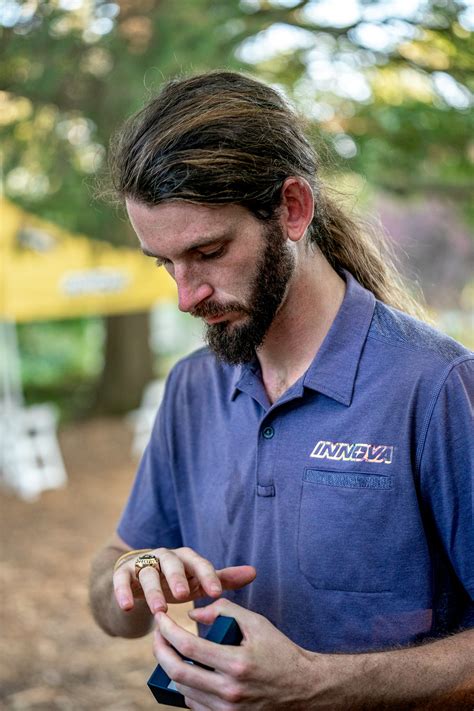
320,443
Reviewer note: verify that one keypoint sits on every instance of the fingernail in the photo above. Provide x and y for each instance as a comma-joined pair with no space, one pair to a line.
124,602
216,588
158,607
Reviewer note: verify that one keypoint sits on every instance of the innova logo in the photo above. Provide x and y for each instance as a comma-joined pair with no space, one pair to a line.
348,452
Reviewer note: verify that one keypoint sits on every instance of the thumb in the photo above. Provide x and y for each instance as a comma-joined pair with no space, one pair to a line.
208,614
236,577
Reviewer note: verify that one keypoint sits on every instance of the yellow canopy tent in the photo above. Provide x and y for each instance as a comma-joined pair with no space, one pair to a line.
49,273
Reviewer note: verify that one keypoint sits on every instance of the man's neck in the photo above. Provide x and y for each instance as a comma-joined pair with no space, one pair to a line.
316,292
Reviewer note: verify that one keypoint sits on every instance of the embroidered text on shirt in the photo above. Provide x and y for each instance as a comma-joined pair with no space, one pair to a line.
348,452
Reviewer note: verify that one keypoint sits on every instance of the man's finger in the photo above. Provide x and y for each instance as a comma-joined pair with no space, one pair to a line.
149,579
174,572
182,672
122,588
202,569
198,700
222,658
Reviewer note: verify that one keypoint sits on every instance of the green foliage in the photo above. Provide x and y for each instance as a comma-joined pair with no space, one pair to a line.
416,148
69,89
72,76
61,361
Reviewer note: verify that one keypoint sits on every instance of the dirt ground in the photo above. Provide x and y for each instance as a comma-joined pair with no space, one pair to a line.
52,654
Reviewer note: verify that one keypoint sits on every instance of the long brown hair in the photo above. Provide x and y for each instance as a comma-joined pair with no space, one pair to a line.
222,137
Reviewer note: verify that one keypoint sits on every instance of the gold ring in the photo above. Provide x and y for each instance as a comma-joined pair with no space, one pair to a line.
146,561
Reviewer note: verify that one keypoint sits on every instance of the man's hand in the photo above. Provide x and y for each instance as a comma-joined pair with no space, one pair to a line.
267,671
184,576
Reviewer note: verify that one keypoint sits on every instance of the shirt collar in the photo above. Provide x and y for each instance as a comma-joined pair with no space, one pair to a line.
247,380
334,368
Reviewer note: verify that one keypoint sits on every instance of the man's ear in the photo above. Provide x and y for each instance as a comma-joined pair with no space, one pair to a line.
296,207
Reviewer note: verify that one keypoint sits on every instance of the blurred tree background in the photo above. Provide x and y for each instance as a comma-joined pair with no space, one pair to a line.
386,86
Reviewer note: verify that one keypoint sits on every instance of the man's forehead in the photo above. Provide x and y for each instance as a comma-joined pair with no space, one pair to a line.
183,216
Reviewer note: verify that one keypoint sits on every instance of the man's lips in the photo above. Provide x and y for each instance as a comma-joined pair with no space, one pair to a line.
226,316
216,319
215,315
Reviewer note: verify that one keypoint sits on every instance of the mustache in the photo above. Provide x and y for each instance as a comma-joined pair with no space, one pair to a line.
211,309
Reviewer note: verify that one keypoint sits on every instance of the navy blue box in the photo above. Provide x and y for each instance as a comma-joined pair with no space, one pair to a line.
225,630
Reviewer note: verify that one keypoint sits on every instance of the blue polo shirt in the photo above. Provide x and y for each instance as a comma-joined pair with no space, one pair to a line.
351,494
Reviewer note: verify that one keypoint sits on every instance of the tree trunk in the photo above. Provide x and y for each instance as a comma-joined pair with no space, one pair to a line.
128,364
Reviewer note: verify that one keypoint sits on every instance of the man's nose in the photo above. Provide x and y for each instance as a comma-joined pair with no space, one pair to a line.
191,289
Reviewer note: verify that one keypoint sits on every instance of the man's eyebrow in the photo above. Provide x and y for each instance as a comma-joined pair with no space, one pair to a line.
199,244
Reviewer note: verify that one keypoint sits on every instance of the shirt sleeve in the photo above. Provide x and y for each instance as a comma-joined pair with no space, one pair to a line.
447,468
150,517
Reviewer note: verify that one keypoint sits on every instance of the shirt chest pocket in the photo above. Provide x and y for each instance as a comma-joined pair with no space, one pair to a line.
346,531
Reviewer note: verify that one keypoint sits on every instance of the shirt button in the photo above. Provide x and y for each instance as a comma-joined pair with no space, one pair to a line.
268,432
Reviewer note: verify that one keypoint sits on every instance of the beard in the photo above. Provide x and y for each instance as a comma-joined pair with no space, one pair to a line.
238,344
